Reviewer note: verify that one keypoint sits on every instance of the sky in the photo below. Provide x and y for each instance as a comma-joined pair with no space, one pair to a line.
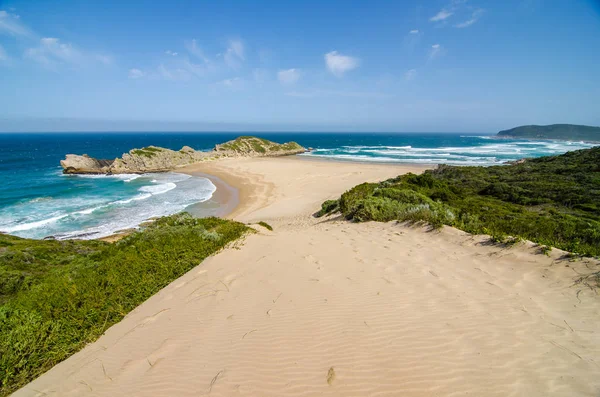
404,66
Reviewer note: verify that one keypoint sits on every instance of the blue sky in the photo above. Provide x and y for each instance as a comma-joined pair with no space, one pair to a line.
449,65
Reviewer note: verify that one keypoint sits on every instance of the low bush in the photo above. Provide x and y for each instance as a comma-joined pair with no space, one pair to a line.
266,225
554,201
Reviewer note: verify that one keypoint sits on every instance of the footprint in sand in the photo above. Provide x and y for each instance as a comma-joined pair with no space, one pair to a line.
330,376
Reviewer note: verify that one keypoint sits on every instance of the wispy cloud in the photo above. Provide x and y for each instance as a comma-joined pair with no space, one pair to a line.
193,48
289,76
48,51
339,64
175,74
171,53
441,16
474,18
410,74
414,31
234,56
198,69
436,51
136,74
11,24
51,52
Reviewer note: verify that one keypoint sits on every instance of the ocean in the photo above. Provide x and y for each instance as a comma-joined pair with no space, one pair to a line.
38,201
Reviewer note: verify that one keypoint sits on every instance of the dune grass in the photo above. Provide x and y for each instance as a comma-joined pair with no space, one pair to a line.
58,296
554,201
266,225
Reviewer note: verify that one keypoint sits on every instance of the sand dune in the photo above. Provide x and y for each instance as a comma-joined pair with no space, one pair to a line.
325,307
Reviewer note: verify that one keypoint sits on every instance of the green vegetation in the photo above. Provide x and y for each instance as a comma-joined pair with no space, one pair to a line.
266,225
149,151
554,201
556,131
57,296
544,249
328,207
249,144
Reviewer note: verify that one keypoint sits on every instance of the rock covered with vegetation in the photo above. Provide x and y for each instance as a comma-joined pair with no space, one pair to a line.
137,161
249,146
58,296
569,132
157,159
553,201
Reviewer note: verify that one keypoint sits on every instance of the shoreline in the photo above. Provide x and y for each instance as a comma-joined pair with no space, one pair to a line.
256,191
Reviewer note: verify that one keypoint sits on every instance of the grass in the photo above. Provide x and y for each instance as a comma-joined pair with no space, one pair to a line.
554,201
58,296
266,225
149,151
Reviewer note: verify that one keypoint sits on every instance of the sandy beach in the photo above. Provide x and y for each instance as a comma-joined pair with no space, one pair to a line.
325,307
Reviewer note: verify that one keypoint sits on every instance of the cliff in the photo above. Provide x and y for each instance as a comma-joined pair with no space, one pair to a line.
568,132
157,159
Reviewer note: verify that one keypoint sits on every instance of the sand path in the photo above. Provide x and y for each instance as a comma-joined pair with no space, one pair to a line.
326,307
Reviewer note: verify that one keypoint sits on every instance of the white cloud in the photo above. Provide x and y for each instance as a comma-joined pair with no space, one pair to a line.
339,64
410,74
289,76
193,49
234,55
441,16
10,24
171,53
199,70
136,74
474,18
414,31
436,51
51,52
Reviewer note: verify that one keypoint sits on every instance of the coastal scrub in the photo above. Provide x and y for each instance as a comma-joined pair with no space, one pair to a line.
554,201
58,296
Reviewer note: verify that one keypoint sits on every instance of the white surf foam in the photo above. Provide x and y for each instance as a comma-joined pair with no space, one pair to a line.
32,225
158,189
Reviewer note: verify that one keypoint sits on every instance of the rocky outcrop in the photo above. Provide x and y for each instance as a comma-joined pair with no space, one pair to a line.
156,159
249,146
75,164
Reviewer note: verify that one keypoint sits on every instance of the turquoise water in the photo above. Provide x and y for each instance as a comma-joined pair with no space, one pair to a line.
37,200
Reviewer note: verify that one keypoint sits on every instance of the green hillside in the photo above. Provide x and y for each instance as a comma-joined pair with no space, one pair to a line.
569,132
554,201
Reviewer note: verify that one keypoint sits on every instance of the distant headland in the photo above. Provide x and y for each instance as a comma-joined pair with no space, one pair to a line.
568,132
157,159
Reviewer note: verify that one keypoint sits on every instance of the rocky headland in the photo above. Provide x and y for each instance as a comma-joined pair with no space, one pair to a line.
157,159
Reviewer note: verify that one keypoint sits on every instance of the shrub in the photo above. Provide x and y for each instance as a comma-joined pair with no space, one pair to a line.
553,201
266,225
328,207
